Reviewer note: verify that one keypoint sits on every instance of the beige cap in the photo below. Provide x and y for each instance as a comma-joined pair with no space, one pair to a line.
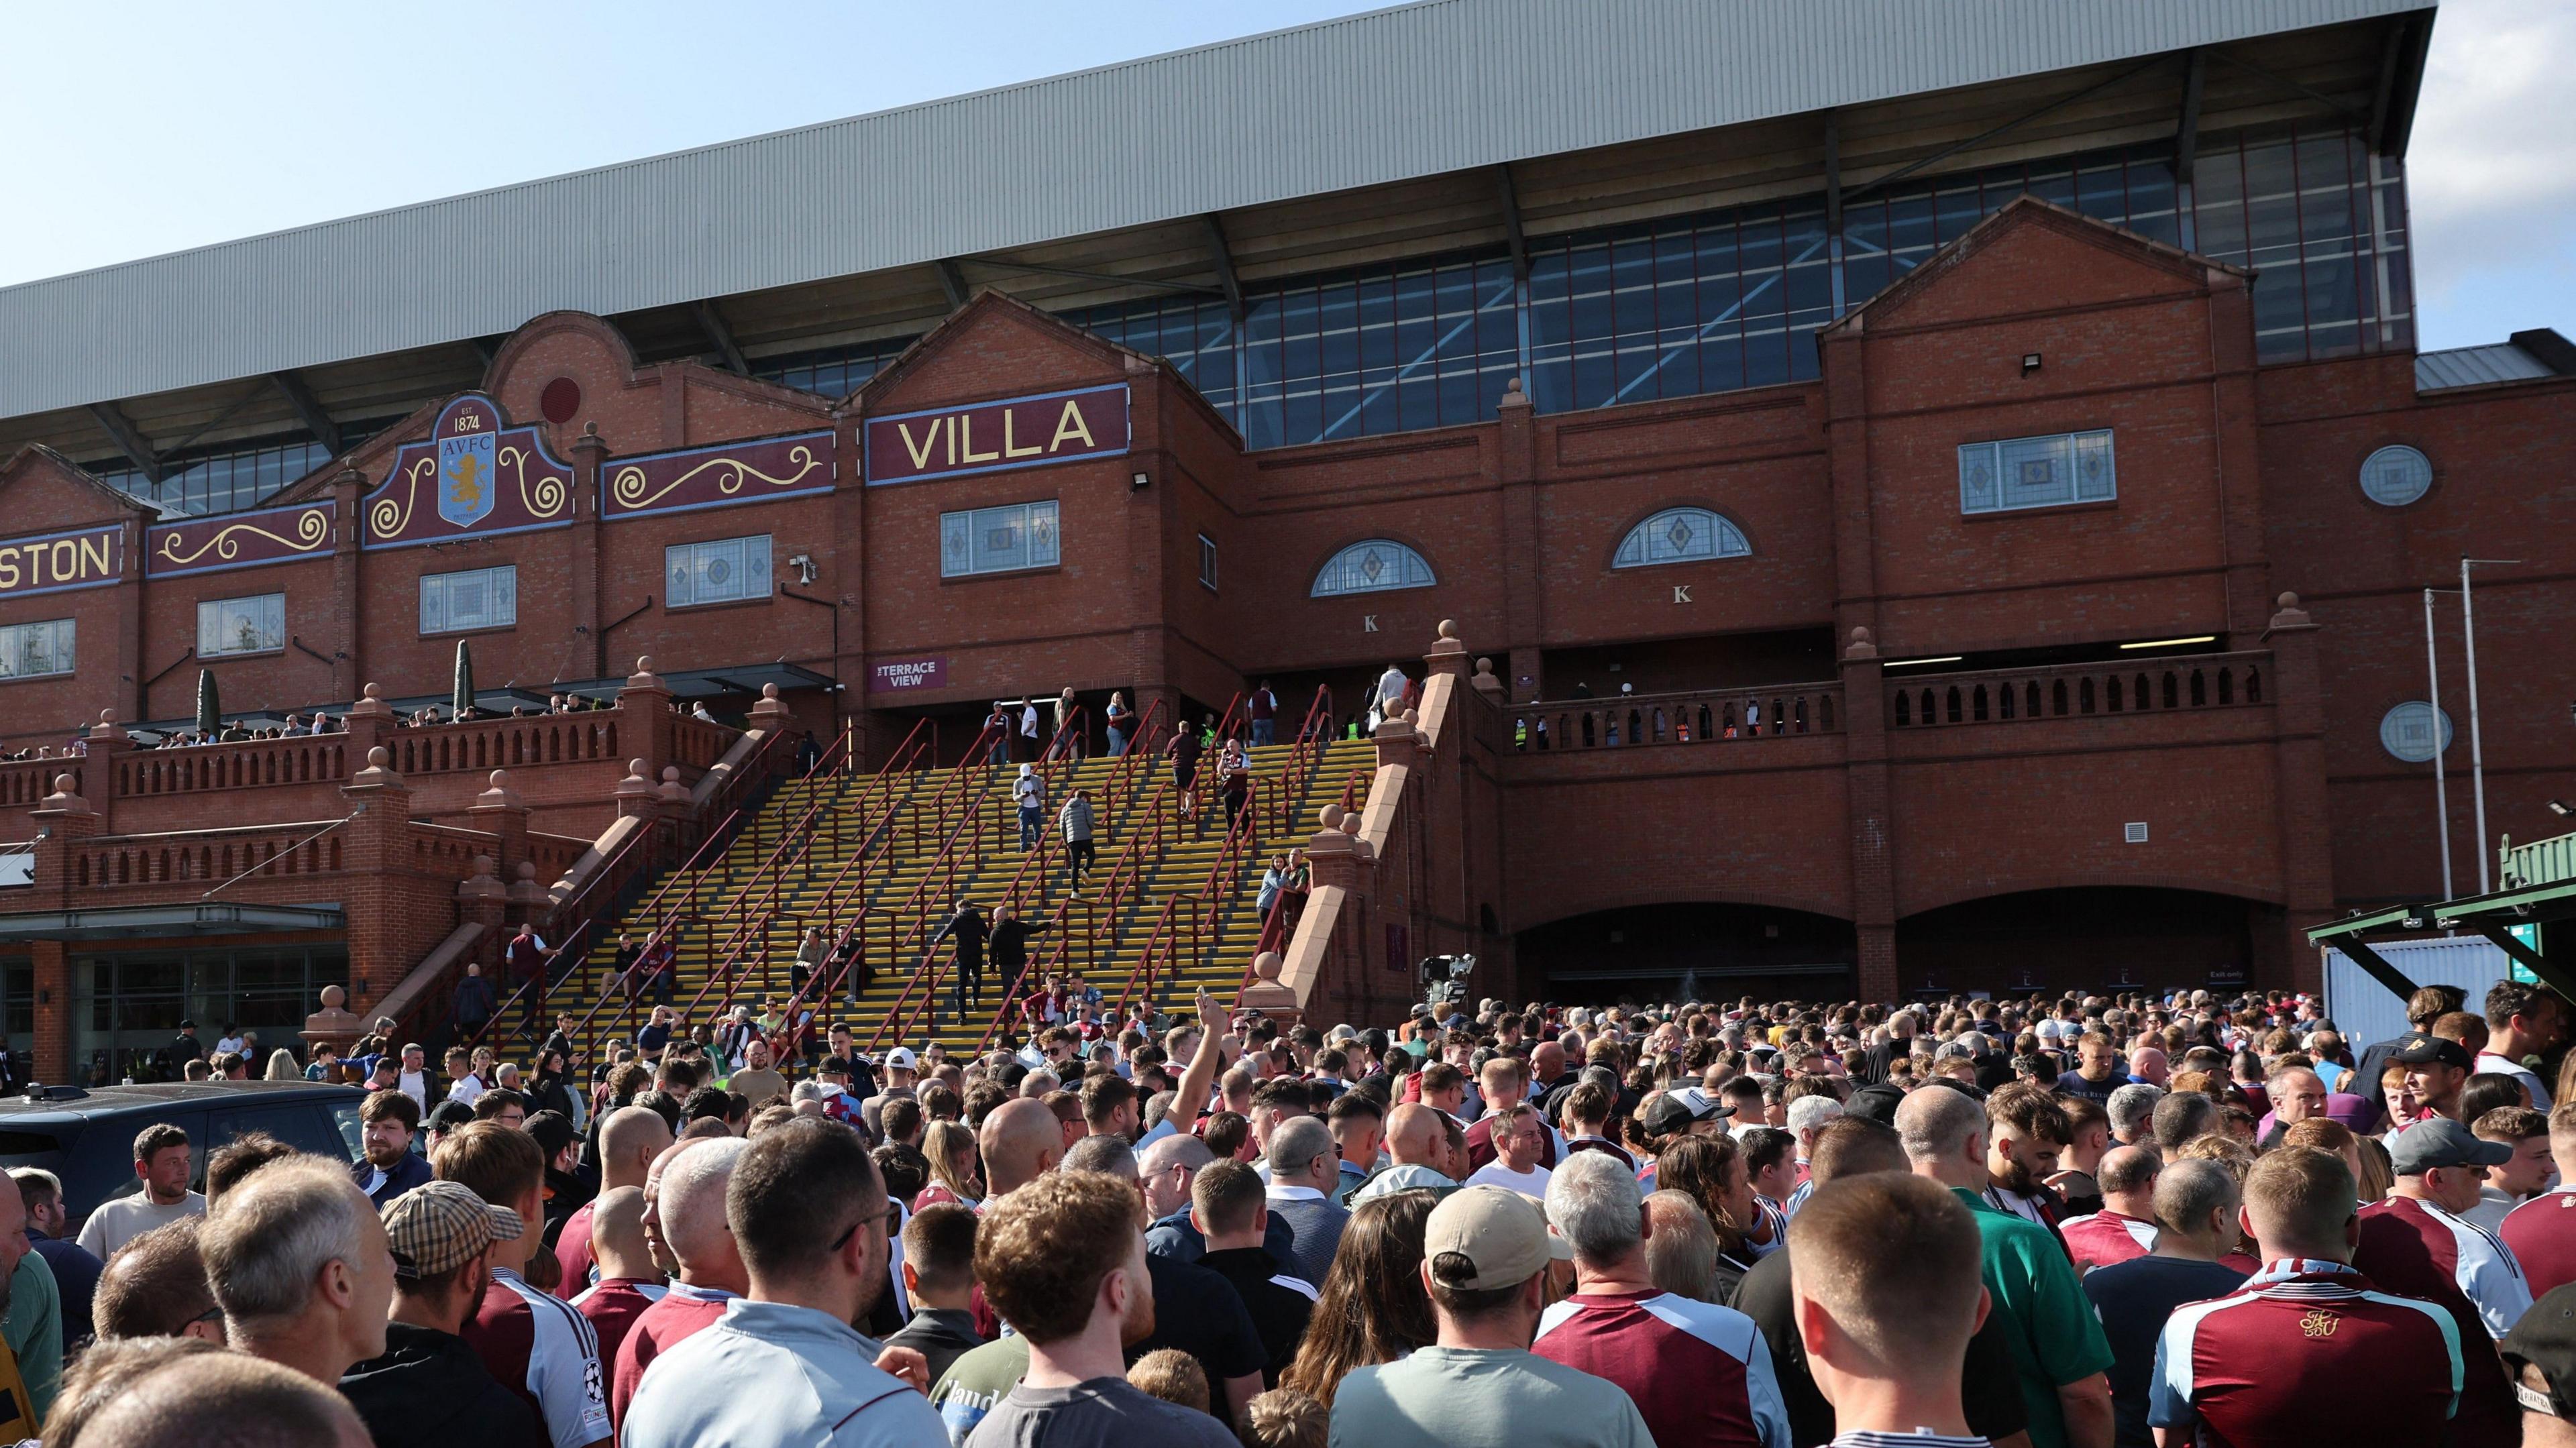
1503,1236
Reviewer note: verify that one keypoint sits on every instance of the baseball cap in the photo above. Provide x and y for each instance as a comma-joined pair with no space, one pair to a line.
2545,1338
449,1115
438,1224
552,1130
1671,1112
899,1059
2423,1050
1876,1103
1502,1235
2440,1141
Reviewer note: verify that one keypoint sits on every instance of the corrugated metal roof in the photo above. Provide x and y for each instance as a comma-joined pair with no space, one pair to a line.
1413,91
2476,367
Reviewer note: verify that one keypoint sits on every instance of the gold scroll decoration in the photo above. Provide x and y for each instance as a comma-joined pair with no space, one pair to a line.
388,519
629,482
312,529
548,498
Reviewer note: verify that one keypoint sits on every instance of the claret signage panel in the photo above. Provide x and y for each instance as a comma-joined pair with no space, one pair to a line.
984,437
88,558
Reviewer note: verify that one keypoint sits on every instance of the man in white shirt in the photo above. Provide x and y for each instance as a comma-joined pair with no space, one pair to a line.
1515,1165
2523,1021
465,1075
413,1080
165,1161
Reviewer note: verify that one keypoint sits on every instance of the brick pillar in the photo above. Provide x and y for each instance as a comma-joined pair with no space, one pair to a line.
348,594
2299,789
370,721
64,822
644,715
1516,468
1868,822
481,899
500,812
107,747
378,865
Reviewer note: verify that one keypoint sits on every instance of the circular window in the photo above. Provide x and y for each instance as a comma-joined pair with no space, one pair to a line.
2395,476
561,400
2407,732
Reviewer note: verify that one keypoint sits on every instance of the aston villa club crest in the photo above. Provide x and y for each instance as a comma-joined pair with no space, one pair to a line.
467,468
2319,1323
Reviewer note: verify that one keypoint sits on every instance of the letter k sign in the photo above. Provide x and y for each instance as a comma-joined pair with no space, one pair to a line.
1681,593
1368,623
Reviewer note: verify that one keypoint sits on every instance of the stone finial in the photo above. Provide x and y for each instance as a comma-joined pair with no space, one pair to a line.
107,718
644,663
672,792
527,870
635,769
2287,602
500,795
2289,615
1860,646
1484,667
1351,823
1330,816
670,774
379,772
334,998
1449,630
768,691
372,691
1513,396
644,677
1267,966
1413,717
483,881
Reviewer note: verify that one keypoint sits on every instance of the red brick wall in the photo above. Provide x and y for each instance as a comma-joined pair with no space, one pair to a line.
2234,485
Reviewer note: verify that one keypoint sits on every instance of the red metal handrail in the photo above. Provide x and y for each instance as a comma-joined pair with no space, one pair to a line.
755,767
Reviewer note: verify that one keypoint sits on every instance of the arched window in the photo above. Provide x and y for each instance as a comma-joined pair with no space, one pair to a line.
1680,535
1373,565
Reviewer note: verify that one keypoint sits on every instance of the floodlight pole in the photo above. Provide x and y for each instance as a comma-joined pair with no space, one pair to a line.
2441,788
2477,756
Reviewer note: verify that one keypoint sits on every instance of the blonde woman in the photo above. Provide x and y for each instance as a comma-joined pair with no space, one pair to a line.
282,1067
950,1148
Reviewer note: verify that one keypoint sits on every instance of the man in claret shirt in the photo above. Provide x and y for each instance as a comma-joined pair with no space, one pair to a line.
628,1283
2310,1351
685,1220
2441,1167
2541,1232
2125,1228
1699,1373
529,1339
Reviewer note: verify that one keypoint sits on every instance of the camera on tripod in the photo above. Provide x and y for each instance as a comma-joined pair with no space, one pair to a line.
1444,978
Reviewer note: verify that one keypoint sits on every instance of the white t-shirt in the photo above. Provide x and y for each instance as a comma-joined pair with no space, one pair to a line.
1531,1183
465,1090
118,1222
2506,1066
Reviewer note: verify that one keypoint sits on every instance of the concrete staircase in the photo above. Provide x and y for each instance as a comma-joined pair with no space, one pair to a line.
876,863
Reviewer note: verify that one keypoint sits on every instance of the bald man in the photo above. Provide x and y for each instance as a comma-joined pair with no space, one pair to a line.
1417,1141
685,1212
1021,1141
226,1400
2125,1228
628,1280
629,1139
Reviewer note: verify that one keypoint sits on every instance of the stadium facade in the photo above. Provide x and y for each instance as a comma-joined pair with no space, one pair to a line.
1945,497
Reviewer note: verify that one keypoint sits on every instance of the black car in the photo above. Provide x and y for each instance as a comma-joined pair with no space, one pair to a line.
86,1137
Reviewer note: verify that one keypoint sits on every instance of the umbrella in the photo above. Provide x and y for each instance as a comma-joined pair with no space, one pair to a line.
464,699
210,709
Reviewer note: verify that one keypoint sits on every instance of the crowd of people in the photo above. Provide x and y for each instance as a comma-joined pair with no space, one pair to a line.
2131,1220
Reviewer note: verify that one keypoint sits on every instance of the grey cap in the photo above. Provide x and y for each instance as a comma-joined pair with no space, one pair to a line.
2440,1141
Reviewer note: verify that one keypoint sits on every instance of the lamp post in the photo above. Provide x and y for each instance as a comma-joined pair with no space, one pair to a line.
2477,757
2441,788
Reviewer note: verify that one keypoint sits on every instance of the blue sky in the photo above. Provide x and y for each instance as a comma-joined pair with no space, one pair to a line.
144,128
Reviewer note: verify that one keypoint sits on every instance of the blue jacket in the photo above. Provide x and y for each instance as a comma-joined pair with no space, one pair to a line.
411,1171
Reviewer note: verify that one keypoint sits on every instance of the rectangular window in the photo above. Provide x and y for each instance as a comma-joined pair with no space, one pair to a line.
2036,472
31,650
723,571
479,598
998,540
255,625
1207,561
